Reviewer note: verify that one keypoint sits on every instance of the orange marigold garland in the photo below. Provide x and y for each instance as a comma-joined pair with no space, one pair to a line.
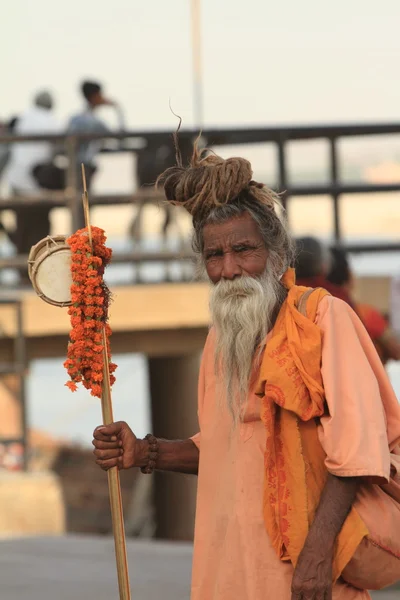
88,311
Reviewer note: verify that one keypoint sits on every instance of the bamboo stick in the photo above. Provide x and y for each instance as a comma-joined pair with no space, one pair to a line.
114,486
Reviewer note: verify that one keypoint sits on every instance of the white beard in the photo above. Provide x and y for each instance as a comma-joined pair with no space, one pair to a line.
242,310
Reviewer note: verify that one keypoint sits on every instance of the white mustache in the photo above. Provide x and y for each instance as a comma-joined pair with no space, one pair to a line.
240,286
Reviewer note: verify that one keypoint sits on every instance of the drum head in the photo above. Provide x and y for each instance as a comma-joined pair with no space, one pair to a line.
53,278
50,270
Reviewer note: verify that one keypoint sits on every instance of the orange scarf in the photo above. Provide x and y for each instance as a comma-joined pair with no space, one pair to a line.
293,397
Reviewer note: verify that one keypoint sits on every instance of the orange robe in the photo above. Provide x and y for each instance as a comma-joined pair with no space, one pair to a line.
233,556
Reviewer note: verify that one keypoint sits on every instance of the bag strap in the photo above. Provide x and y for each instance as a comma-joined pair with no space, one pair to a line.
302,305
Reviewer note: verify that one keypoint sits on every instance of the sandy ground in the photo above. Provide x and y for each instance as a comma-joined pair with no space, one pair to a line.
83,567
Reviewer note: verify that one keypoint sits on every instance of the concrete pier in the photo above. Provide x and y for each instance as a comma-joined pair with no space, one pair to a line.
173,386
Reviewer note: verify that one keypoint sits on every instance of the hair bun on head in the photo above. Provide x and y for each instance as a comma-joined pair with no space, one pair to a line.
227,178
209,181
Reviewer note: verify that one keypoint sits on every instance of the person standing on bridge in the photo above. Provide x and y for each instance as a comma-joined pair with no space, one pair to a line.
289,431
88,122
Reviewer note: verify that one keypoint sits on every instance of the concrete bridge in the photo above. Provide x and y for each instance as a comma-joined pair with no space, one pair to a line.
160,320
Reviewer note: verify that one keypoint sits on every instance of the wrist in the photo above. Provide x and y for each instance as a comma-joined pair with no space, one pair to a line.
150,451
142,453
322,544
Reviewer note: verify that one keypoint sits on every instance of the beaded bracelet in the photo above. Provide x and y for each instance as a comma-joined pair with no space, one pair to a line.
153,454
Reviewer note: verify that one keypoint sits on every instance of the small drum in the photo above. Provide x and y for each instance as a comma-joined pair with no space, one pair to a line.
49,269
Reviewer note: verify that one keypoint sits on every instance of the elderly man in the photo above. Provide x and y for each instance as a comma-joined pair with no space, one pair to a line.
289,430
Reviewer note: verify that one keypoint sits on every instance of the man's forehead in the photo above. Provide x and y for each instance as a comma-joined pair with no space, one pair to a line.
230,231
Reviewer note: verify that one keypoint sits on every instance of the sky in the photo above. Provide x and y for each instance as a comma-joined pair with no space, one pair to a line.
263,62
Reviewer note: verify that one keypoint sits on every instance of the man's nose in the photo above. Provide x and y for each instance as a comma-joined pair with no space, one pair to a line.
230,268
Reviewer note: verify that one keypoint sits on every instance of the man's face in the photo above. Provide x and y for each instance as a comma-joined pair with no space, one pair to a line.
234,249
97,99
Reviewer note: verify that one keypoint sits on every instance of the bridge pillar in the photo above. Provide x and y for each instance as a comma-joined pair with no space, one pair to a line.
173,386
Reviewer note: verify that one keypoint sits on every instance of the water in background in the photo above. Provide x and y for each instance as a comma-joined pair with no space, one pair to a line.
73,416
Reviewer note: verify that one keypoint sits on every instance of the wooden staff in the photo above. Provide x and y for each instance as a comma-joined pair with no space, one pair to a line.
114,486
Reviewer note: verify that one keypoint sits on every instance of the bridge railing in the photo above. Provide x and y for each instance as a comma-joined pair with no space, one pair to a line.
138,142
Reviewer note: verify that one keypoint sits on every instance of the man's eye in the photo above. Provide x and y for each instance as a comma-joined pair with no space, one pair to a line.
213,254
242,248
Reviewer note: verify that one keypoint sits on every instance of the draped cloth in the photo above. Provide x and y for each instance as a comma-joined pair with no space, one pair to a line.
291,387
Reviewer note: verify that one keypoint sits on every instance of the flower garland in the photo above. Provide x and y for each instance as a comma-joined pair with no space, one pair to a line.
88,312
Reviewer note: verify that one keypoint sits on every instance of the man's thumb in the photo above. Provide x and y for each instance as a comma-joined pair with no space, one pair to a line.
112,429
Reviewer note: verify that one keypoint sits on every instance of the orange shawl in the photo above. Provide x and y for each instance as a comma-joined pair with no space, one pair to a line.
292,393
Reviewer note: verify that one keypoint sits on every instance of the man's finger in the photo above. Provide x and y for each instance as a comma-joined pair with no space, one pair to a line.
108,430
104,432
108,464
98,435
105,454
102,445
319,595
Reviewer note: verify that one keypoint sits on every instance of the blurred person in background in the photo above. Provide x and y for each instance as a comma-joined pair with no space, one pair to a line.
6,128
32,222
88,122
151,161
291,435
313,263
386,342
37,120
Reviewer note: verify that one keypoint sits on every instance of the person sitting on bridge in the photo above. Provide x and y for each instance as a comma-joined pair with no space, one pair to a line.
32,220
386,342
284,443
313,262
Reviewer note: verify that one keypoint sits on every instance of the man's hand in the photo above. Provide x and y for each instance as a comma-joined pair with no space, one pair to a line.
312,579
108,102
117,446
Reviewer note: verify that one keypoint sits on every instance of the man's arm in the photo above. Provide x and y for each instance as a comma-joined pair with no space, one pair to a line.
117,445
313,574
120,116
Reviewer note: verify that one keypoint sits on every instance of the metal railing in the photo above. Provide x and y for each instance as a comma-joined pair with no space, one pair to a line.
137,142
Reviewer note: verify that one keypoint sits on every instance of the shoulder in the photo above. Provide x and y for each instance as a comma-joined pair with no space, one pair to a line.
23,122
335,311
52,124
331,304
342,327
74,120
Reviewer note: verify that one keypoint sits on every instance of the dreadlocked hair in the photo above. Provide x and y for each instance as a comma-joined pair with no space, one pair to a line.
214,190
